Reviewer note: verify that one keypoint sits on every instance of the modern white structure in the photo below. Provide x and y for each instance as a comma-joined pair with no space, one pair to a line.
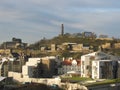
103,69
40,67
118,74
94,64
28,68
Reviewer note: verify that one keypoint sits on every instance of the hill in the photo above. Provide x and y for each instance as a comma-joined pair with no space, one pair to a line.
69,38
92,42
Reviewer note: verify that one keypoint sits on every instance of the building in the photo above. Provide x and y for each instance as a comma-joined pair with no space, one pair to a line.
108,39
89,35
99,58
80,47
4,52
71,47
12,62
17,40
53,47
104,37
117,45
40,67
104,69
106,46
69,66
15,43
38,70
68,46
6,65
118,73
10,66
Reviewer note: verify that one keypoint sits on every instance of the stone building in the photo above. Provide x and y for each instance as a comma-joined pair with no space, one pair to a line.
117,45
106,46
15,43
53,47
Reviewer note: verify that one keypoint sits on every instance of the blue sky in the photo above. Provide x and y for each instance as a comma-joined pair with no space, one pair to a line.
31,20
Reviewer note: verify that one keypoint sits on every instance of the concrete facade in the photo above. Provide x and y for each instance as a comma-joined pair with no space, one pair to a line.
39,67
104,69
91,63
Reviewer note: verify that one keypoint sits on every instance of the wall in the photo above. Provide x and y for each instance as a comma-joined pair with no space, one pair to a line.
16,76
48,81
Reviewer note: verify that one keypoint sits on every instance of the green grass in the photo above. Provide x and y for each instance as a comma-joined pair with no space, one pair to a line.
75,79
80,79
105,82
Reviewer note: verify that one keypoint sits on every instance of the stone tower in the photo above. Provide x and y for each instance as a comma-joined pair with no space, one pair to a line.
62,29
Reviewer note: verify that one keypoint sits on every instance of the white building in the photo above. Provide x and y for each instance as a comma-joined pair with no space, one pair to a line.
91,64
69,66
104,69
118,74
40,67
28,68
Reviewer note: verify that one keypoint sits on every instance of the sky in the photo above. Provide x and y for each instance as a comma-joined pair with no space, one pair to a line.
31,20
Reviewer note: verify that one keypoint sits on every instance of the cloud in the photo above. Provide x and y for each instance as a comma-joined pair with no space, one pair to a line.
34,19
